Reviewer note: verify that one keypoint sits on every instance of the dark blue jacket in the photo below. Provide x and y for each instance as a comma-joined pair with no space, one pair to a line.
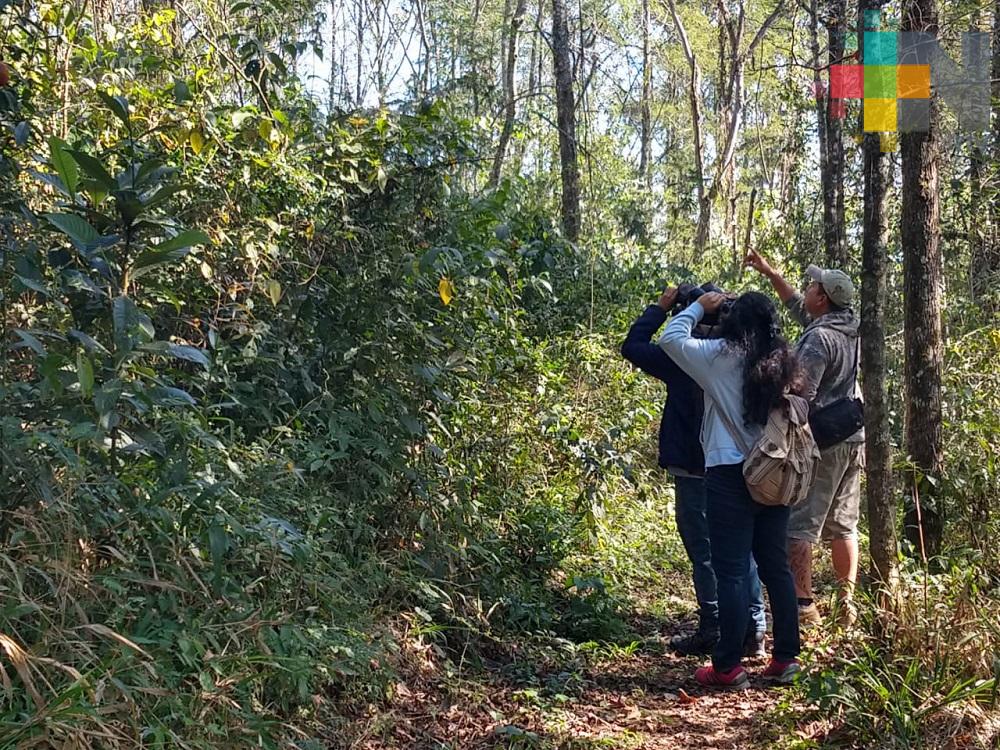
680,426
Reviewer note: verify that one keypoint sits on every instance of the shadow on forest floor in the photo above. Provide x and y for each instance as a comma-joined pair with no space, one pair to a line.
634,697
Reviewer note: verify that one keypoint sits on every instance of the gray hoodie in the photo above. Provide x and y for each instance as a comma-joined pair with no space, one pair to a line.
827,351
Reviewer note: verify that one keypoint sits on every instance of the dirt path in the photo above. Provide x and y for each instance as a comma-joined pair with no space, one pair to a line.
628,699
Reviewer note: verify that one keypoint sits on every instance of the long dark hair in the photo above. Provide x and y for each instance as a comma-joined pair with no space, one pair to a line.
770,368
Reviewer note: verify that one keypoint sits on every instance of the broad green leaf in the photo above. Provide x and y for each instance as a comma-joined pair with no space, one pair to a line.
181,91
22,133
169,251
163,395
117,104
31,341
188,238
190,354
85,374
32,284
53,180
75,227
87,342
63,163
94,169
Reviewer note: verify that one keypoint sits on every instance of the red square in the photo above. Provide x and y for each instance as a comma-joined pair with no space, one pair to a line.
819,90
847,81
838,109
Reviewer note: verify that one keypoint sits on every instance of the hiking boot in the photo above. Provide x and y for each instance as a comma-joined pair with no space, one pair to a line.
699,643
753,645
809,616
733,679
781,672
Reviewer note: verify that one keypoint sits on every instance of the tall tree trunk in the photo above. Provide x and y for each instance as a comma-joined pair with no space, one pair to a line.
920,235
985,256
509,92
645,126
874,298
833,179
822,99
566,121
332,101
730,105
694,100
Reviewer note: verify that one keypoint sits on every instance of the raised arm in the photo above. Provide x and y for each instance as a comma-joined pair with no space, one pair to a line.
695,356
639,349
759,263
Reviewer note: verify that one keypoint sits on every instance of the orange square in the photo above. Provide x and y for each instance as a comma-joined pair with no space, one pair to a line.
913,81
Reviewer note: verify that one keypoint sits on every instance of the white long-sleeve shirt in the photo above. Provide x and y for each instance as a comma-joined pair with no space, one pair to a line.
719,372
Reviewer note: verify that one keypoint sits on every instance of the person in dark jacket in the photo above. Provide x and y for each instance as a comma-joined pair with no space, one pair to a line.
680,453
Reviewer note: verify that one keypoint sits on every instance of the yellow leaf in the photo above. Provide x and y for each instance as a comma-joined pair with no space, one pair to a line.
274,291
197,141
446,290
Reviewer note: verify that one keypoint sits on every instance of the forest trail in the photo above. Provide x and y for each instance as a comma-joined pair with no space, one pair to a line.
641,697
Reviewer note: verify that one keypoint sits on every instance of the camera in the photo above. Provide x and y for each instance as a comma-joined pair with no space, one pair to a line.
688,293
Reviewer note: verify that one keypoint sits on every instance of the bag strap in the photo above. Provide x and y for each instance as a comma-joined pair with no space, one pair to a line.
734,432
857,357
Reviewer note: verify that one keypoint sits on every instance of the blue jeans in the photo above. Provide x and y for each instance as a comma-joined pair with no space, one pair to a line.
692,525
738,526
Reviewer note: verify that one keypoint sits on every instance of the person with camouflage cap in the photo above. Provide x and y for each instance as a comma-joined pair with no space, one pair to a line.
828,354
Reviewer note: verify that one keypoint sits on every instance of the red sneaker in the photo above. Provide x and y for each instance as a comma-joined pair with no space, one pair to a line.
733,679
781,672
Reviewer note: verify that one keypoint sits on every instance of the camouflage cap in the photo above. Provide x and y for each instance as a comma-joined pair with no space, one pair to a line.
837,284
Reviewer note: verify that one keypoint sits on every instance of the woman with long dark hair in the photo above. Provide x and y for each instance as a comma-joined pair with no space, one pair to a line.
744,375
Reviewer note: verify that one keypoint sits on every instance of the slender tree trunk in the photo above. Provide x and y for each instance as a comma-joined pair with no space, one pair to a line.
423,75
874,299
509,92
645,133
920,235
985,241
566,121
332,103
822,100
833,181
360,41
694,99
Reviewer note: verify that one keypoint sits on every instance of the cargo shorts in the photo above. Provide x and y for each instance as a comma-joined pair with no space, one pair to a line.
833,506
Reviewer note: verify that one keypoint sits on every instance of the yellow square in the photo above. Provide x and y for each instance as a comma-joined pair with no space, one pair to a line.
880,115
887,142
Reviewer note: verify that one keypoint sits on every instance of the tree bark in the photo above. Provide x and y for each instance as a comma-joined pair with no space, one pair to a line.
834,234
510,109
645,126
566,121
731,114
920,235
879,496
985,241
694,100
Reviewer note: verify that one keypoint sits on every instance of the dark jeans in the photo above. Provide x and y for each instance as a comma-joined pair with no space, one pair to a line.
692,525
738,526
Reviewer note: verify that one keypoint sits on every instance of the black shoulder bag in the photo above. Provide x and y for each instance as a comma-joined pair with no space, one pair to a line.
836,422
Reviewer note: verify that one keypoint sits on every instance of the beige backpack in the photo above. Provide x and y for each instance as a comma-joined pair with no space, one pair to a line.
780,467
